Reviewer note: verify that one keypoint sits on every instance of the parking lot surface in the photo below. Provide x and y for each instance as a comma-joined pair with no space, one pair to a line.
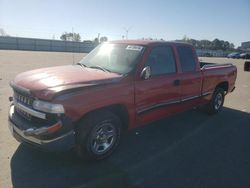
191,149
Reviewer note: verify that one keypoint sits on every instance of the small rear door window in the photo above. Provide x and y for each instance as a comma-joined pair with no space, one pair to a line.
187,60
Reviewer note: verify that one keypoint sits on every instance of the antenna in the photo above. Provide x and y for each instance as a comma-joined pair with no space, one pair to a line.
127,30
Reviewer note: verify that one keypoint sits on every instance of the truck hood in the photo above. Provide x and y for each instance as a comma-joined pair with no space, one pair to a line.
44,83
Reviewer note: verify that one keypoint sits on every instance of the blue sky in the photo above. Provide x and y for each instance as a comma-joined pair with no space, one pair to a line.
167,19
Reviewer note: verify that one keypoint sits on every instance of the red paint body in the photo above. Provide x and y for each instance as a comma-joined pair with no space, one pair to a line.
102,89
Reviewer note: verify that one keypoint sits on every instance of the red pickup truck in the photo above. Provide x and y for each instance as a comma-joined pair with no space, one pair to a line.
118,86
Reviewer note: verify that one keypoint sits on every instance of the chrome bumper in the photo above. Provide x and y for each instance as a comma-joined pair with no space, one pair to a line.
62,142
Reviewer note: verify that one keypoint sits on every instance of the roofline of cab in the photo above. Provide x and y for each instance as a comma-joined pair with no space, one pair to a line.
148,42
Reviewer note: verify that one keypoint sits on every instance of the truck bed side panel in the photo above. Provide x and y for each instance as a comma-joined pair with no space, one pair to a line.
212,76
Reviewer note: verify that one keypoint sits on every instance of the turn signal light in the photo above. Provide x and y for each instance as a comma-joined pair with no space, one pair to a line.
55,127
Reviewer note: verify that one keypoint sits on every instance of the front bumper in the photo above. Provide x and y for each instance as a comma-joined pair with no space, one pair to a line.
62,142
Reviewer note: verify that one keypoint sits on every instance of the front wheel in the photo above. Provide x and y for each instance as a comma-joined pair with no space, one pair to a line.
217,101
98,135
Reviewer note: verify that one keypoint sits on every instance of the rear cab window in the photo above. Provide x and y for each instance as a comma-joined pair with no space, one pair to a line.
187,58
161,61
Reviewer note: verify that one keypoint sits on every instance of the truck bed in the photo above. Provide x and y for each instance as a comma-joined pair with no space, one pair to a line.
214,73
202,64
207,64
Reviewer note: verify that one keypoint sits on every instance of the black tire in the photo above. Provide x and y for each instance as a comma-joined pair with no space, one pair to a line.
94,135
217,101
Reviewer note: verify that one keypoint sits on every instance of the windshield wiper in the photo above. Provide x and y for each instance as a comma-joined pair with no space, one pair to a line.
81,64
100,68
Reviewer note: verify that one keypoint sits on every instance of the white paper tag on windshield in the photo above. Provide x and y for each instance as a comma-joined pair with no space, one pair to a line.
134,47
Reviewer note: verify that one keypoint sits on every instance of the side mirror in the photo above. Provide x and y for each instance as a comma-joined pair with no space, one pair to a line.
146,73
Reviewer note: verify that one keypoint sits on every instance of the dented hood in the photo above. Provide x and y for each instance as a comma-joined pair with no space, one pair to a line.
44,83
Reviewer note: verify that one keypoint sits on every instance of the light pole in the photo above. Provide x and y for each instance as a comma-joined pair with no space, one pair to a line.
127,30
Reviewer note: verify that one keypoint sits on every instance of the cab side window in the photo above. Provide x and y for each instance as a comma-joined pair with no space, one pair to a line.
186,58
161,61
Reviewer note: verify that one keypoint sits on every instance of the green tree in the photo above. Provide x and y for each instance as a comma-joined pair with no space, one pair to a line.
205,44
96,41
231,46
3,33
71,37
216,44
103,39
225,45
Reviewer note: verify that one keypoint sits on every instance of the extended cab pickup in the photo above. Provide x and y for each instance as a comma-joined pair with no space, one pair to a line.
118,86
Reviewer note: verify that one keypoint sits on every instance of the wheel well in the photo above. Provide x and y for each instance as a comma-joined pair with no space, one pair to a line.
119,110
122,112
223,85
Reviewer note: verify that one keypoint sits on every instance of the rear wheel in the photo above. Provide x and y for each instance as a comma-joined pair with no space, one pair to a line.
217,101
98,135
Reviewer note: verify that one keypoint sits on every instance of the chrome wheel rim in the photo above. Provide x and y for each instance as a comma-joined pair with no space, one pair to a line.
218,101
103,138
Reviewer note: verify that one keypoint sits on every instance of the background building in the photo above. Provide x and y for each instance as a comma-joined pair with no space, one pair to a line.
245,46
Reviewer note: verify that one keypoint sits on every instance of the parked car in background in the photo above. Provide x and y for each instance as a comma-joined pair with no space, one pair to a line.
245,55
234,55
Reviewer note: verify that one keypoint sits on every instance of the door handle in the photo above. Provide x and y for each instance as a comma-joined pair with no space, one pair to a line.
177,82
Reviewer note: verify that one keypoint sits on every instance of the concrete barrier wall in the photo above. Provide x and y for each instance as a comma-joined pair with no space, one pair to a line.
18,43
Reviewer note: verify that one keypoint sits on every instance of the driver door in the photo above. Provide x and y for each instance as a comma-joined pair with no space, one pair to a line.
159,95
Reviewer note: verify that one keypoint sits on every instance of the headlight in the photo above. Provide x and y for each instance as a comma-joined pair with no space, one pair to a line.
48,107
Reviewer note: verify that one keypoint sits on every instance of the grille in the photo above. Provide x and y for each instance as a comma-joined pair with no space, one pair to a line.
23,114
25,100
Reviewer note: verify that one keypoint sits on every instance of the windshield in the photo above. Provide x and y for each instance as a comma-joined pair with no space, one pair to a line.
118,58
